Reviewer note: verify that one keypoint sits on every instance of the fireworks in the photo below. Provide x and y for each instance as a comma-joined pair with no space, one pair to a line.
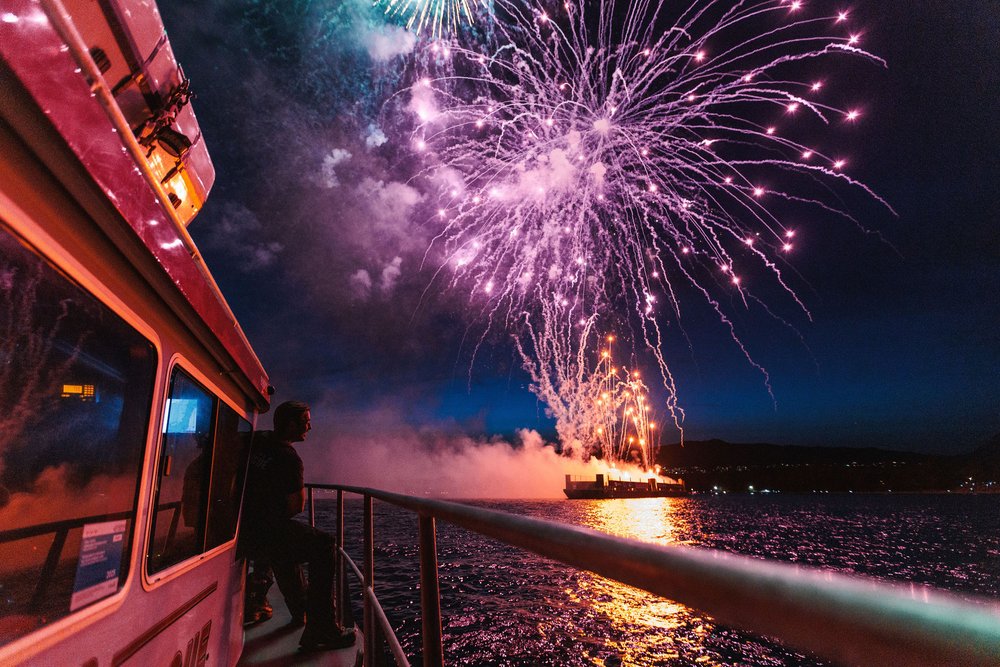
601,408
436,16
595,159
626,431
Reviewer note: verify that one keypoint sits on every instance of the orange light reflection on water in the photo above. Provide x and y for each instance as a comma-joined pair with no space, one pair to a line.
645,628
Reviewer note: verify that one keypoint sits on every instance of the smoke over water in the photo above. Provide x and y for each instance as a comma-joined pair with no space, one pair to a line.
447,465
377,447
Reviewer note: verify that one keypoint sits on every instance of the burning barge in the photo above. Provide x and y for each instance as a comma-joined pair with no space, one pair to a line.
602,486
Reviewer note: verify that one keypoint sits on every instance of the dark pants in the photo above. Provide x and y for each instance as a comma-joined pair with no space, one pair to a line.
288,545
260,578
292,584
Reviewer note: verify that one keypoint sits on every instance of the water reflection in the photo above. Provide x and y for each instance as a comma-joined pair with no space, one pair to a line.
648,519
645,628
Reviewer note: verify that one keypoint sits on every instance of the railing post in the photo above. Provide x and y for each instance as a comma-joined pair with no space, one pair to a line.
51,562
430,594
311,506
369,545
338,568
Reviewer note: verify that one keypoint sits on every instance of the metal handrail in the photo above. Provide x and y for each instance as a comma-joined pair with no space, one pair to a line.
373,608
846,619
38,529
390,634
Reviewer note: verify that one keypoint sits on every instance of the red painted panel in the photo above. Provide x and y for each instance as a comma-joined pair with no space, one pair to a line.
37,55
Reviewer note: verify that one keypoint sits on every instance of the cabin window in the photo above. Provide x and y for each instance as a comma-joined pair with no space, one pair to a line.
229,466
76,386
200,476
183,474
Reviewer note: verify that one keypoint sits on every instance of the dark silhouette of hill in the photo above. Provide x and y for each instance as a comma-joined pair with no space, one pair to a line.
715,453
709,465
982,465
987,454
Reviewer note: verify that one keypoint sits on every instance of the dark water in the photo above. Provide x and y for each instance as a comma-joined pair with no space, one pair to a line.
504,606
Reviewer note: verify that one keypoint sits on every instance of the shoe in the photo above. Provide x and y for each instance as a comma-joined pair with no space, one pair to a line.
258,614
335,639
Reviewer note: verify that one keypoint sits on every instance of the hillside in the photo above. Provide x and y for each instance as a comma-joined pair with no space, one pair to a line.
718,465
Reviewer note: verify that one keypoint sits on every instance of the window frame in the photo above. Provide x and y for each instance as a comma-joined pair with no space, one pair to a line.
241,470
64,263
179,362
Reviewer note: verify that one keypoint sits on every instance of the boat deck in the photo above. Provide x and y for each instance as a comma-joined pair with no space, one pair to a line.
275,644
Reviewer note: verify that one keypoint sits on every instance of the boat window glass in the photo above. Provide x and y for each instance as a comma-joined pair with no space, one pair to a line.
229,465
76,385
183,474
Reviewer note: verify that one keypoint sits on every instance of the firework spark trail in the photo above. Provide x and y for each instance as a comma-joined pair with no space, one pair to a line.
595,158
600,408
626,431
437,16
557,361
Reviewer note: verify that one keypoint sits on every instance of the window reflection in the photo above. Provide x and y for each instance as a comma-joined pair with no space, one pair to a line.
75,391
229,465
183,476
200,475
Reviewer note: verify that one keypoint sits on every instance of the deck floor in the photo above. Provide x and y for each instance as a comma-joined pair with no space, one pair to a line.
275,644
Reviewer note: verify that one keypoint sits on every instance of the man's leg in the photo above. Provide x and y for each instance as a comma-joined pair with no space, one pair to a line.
298,543
292,584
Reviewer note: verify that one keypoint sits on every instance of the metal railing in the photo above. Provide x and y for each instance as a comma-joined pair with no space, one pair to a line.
845,619
59,531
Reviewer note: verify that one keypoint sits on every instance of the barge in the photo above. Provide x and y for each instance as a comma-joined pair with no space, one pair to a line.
602,486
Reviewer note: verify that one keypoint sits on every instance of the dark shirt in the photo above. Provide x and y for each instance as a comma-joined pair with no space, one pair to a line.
275,471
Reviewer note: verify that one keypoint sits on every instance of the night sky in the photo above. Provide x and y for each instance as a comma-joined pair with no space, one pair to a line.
320,254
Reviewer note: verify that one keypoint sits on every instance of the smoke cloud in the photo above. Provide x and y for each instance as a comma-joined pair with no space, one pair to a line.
361,285
239,233
328,171
385,42
429,463
374,136
318,172
378,446
390,274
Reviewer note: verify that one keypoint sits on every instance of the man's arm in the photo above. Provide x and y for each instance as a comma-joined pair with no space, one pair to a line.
295,502
288,469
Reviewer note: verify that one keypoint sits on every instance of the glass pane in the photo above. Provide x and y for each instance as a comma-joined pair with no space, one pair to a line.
229,466
183,475
75,390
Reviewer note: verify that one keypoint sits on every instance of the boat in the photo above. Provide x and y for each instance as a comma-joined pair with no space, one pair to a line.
128,391
603,486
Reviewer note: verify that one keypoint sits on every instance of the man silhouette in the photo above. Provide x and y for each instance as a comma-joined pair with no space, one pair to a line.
275,493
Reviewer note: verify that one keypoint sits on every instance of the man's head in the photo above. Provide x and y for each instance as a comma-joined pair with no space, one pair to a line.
291,421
